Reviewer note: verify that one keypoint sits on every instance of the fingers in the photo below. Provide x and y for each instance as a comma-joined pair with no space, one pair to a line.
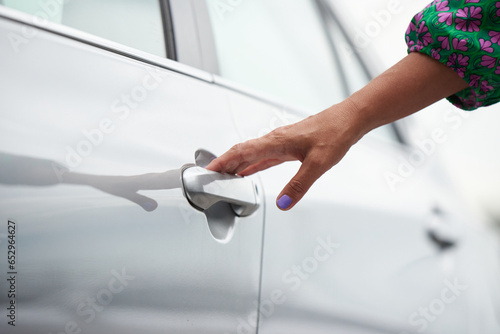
293,192
265,164
230,161
252,152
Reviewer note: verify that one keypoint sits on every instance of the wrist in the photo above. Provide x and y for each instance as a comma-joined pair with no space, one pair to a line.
352,119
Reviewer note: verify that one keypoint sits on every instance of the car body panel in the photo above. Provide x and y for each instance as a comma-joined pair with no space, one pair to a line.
112,245
379,263
94,254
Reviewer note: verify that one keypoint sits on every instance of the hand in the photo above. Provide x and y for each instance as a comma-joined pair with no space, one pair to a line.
319,142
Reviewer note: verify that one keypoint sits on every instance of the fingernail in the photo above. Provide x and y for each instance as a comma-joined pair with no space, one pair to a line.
284,202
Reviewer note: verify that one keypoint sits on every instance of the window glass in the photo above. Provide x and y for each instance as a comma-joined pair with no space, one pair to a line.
356,74
135,23
278,47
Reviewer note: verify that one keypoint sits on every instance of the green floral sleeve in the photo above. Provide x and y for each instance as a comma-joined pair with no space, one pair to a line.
465,36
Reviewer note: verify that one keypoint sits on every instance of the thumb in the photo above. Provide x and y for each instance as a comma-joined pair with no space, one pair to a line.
298,186
144,202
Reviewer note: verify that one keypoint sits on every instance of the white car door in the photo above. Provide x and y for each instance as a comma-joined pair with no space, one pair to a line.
357,254
92,136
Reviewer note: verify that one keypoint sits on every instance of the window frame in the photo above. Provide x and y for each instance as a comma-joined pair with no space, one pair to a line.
194,35
30,21
168,29
330,14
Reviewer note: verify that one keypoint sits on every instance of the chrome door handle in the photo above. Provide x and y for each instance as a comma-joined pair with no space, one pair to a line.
204,188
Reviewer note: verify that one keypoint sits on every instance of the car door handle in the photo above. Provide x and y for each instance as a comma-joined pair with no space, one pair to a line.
204,188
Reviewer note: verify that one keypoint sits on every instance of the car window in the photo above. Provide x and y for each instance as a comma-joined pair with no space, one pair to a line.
356,73
135,23
278,48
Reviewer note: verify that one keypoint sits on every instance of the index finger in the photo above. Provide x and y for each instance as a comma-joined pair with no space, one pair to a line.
242,155
230,161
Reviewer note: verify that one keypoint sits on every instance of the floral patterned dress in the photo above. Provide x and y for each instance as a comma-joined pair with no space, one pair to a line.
465,36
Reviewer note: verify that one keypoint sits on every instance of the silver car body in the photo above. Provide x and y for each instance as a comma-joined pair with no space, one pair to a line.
93,138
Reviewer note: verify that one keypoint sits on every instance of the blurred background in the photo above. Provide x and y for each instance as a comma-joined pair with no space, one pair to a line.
470,152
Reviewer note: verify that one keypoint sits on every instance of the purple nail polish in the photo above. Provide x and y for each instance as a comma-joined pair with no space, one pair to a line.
284,202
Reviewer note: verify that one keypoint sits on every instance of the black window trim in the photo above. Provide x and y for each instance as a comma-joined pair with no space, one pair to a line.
168,29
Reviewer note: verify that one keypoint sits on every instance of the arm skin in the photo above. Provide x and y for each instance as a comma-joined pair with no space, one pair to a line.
321,141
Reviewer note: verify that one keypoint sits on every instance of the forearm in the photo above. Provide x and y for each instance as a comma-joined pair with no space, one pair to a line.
414,83
321,140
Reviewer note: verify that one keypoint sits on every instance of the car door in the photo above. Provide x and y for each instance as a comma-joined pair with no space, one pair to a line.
97,235
354,256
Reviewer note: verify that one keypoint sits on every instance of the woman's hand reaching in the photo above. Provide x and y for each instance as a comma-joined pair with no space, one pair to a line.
320,141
